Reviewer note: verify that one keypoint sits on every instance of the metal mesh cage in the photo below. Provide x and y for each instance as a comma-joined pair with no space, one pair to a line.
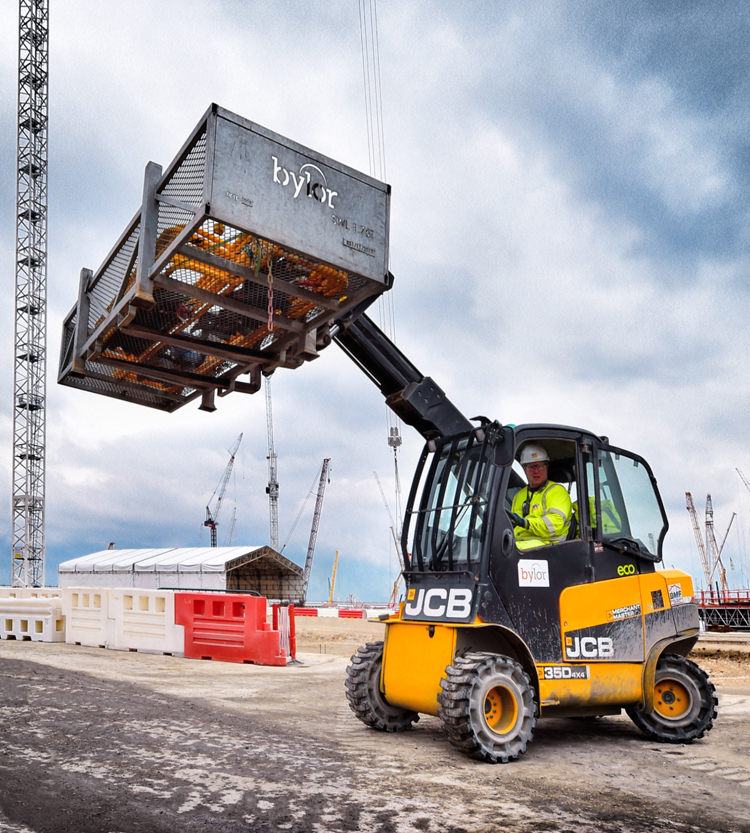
215,298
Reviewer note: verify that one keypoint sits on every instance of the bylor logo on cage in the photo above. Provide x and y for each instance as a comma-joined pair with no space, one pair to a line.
533,573
309,180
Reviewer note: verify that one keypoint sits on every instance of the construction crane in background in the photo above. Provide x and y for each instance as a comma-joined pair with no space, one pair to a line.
708,547
315,524
699,539
395,533
212,514
332,580
743,479
712,547
272,490
30,351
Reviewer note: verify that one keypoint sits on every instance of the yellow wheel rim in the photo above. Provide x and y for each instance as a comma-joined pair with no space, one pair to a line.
500,710
671,699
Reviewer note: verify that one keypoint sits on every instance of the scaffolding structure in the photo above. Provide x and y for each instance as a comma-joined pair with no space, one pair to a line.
29,382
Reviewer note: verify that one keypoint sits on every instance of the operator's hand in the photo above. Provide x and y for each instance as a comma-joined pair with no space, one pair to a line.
517,520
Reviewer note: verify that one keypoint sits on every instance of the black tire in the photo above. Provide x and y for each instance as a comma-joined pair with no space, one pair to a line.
364,695
487,707
684,702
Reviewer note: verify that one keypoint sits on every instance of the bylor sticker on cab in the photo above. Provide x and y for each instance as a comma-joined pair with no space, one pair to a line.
533,573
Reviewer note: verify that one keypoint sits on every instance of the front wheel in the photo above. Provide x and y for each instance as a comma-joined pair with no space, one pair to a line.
684,702
364,695
487,707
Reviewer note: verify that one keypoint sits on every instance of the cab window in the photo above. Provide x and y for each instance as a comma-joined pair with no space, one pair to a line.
630,512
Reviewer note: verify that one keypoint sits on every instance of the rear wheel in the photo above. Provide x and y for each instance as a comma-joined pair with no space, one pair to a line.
364,695
684,702
487,707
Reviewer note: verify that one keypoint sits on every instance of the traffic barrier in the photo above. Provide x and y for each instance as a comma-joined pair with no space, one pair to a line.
86,617
305,611
283,622
229,627
377,612
351,614
328,613
29,592
32,620
144,620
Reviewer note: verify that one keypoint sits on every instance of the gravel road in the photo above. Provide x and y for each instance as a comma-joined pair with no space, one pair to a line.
97,741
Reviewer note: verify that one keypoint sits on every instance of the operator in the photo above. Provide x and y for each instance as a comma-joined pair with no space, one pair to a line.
542,511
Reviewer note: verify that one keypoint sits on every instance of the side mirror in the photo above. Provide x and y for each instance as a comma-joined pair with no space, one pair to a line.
504,448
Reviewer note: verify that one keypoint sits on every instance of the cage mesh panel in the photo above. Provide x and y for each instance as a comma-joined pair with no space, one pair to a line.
186,183
175,314
148,387
69,331
171,222
107,287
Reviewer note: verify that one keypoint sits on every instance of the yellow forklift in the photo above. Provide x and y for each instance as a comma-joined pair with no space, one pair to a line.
490,638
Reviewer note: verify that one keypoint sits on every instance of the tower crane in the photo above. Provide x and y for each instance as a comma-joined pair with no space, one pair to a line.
315,525
272,490
212,515
30,350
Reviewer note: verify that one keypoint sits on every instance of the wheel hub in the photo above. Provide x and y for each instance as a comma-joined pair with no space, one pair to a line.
672,699
500,709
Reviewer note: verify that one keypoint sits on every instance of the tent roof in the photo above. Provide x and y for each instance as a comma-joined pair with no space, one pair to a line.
168,560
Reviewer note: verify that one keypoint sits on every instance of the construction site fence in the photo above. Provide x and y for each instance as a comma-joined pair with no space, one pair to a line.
713,598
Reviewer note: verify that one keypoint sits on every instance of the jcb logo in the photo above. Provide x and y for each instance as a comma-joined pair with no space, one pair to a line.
439,603
626,570
589,647
310,177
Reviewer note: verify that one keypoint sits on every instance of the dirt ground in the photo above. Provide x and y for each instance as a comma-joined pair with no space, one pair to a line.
98,741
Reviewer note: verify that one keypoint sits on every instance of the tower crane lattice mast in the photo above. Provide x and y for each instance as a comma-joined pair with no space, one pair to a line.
315,525
29,378
212,517
272,490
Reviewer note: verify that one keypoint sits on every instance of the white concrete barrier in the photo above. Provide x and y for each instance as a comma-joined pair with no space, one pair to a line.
86,617
29,592
32,620
144,620
328,613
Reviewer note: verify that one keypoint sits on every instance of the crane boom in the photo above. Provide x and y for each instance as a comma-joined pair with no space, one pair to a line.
713,547
212,516
699,538
272,490
314,529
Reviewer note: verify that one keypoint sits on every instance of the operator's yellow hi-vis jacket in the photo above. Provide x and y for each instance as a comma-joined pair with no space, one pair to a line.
549,514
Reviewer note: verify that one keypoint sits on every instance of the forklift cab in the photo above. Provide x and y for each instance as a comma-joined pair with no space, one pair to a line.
463,560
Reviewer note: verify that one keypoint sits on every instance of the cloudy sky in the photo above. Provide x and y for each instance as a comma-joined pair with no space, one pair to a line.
569,236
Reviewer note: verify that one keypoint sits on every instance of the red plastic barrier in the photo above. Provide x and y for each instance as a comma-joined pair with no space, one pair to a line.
228,627
351,614
305,611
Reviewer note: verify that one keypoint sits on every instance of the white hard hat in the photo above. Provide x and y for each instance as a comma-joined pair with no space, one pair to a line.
533,453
